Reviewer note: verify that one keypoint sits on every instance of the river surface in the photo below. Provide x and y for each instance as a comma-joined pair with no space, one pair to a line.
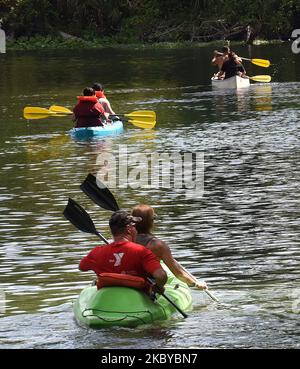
241,235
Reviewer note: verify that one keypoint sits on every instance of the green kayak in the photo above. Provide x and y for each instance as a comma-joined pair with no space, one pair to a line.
128,307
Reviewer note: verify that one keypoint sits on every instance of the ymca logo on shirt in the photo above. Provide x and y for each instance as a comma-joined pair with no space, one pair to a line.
118,258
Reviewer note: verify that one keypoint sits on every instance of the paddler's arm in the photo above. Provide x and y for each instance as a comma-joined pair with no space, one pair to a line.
152,266
89,263
162,250
106,115
160,277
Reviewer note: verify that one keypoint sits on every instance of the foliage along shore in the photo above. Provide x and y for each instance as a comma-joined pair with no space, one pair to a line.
56,43
97,23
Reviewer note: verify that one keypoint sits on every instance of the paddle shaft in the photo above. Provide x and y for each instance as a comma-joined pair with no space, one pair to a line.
121,117
101,237
260,62
210,294
126,117
140,121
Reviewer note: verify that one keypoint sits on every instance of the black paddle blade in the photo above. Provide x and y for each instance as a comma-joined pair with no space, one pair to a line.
79,217
99,194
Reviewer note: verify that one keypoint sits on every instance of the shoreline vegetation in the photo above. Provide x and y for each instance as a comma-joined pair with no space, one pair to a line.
54,43
65,24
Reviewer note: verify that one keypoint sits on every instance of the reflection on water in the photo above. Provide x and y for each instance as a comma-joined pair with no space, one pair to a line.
258,96
262,94
242,236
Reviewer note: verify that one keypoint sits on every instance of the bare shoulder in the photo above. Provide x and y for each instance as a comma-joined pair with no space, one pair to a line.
157,242
158,247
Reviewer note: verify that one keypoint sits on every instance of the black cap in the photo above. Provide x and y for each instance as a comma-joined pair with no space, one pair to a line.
122,218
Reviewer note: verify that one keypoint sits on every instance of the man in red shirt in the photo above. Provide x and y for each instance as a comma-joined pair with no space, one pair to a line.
123,256
89,112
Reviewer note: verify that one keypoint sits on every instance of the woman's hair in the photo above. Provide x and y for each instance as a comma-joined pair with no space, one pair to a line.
147,214
88,91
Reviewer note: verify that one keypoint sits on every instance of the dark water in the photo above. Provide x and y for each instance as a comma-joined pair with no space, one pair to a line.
241,237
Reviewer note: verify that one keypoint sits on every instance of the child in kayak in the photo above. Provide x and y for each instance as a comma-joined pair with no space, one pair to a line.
89,112
159,247
99,90
217,61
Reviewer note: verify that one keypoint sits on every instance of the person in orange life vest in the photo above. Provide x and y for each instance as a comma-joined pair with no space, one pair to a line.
159,247
89,112
124,256
99,90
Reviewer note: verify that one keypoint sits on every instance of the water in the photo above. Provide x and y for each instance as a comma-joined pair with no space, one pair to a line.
241,237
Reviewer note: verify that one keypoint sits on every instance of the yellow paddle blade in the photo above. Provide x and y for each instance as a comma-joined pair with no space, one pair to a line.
60,109
142,114
142,119
32,112
143,124
36,110
35,116
261,62
262,78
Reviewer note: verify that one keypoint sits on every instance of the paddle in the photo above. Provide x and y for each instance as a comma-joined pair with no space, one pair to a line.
260,62
142,118
82,221
100,194
143,123
152,282
144,115
31,112
60,109
35,116
141,114
261,78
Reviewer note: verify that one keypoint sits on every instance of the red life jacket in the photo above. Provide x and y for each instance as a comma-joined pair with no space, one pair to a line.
87,98
100,95
88,112
117,279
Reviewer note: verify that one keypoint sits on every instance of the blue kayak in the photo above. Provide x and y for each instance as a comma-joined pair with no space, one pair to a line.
88,133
